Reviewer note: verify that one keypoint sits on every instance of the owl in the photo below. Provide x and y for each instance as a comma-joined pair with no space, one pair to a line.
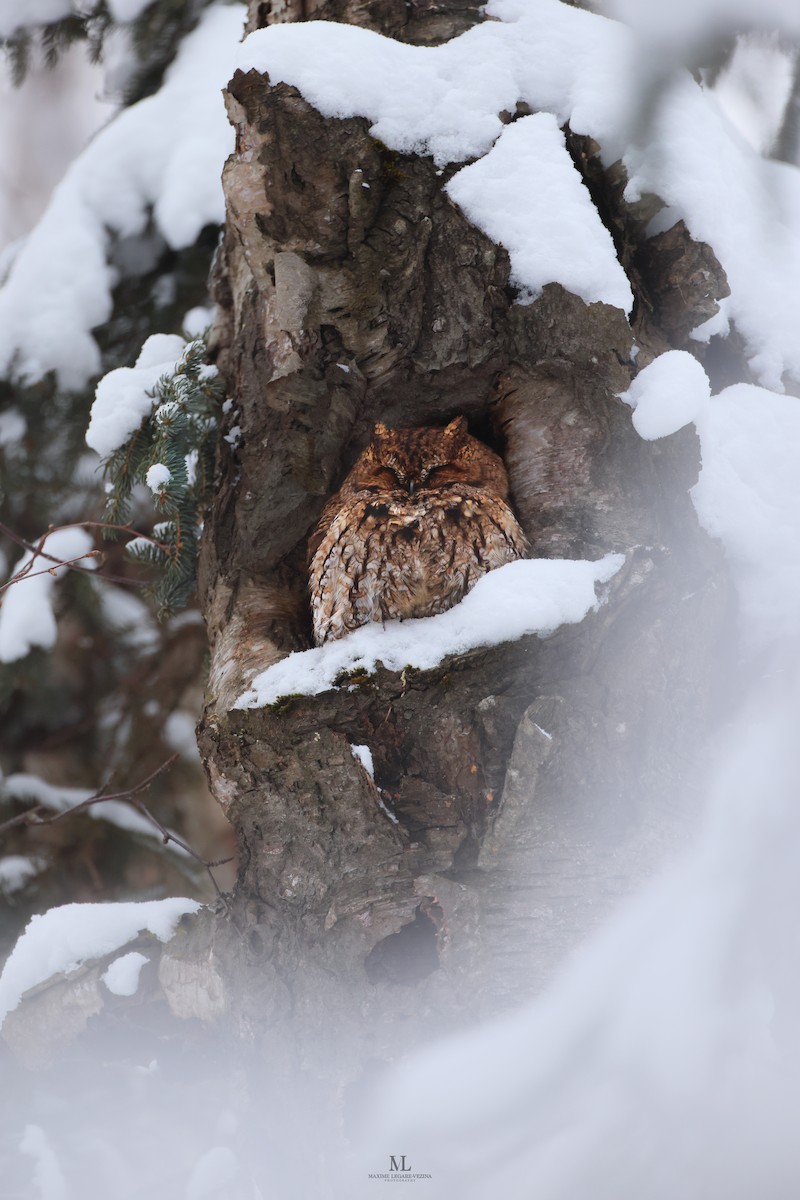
420,518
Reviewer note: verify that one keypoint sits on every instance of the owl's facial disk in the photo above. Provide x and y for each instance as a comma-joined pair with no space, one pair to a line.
423,459
414,477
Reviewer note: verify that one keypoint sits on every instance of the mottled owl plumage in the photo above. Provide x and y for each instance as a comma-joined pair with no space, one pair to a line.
421,517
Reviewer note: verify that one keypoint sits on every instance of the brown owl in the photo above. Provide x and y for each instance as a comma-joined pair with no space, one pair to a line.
420,518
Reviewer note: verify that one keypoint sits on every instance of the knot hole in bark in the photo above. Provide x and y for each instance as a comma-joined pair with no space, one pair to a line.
407,956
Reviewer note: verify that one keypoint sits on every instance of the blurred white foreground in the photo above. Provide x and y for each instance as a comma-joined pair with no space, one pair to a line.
663,1062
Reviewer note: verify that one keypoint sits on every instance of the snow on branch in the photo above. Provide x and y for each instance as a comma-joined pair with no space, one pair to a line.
125,396
48,798
530,596
160,159
156,423
64,938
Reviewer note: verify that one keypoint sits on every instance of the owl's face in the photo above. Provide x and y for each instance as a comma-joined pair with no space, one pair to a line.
427,459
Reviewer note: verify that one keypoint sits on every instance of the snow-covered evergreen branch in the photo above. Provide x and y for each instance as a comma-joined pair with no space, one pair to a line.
172,452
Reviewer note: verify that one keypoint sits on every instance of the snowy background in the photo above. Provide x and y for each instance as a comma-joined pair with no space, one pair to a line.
663,1061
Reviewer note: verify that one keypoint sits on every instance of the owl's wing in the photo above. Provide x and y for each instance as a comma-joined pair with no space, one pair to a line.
323,525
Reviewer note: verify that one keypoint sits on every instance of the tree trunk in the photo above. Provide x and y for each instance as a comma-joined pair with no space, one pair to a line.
533,784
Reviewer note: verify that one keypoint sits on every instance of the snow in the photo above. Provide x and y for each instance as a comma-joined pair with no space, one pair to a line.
137,544
197,320
127,615
26,615
747,496
190,461
363,754
47,1173
672,1031
122,976
683,22
576,66
582,68
124,397
213,1175
746,208
21,786
13,427
159,159
520,598
753,89
63,938
157,478
445,101
180,734
667,394
36,11
16,870
527,195
385,809
669,1040
12,16
127,10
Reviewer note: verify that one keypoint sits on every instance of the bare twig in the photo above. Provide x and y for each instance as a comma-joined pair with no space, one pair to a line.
35,816
37,551
119,528
27,573
167,836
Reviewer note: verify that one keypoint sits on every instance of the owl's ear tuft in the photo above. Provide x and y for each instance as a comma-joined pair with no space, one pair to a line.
457,428
380,431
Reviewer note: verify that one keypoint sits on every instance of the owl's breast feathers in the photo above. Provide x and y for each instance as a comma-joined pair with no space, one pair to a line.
401,554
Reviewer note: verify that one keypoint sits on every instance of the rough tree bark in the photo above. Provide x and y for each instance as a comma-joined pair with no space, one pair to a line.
533,784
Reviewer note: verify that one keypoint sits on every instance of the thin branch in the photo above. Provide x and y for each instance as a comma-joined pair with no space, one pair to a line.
35,816
110,525
26,572
38,552
167,836
32,816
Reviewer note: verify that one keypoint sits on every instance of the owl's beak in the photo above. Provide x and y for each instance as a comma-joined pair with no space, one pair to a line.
411,487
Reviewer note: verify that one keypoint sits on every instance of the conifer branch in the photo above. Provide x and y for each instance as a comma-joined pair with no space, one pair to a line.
177,442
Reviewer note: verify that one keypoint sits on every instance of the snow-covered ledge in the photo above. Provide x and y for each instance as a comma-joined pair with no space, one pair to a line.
63,938
532,596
